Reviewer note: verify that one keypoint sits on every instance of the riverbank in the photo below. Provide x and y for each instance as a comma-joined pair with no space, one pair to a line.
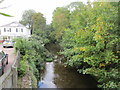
28,80
31,62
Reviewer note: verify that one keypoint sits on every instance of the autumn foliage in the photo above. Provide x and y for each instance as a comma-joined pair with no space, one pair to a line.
90,39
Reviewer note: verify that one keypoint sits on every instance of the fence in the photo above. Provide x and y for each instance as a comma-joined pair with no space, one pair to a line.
9,78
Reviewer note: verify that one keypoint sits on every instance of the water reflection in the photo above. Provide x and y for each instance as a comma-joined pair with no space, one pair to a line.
48,77
57,76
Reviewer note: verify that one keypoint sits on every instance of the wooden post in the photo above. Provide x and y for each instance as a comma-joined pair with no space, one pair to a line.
14,77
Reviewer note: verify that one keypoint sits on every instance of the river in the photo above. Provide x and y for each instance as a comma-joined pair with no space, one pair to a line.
56,75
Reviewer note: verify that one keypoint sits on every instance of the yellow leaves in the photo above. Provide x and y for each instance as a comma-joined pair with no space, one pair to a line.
97,37
98,19
118,51
98,31
102,3
78,33
102,41
82,49
76,48
111,28
101,65
102,22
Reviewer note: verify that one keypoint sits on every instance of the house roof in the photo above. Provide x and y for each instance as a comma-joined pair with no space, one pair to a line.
13,24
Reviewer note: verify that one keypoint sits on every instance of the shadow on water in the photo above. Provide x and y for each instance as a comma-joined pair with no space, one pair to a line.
56,75
68,78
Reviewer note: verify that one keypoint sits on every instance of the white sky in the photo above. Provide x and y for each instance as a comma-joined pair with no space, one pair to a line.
17,7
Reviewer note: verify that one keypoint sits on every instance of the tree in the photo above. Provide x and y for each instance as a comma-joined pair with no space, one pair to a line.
91,43
35,21
60,21
74,5
27,18
39,22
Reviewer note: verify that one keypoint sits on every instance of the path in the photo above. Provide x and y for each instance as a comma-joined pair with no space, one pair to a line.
11,56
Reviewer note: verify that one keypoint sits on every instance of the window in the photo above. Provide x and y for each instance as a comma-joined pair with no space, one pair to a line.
21,30
4,29
16,29
9,29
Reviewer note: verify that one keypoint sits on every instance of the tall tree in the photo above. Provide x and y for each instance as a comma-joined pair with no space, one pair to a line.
39,21
27,18
35,21
60,21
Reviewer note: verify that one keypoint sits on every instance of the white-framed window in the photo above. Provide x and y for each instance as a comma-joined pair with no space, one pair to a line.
21,29
9,29
4,29
16,29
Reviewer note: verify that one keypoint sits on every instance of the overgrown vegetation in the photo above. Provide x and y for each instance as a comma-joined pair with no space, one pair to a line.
33,51
90,37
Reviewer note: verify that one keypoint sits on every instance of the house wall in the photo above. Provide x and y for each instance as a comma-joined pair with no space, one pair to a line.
21,32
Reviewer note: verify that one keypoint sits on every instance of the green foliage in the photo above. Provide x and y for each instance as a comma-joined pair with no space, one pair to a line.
60,21
22,45
23,67
27,18
35,21
33,51
91,42
39,22
33,79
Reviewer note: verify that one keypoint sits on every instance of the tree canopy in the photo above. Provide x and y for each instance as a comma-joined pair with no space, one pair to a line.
27,18
34,20
91,39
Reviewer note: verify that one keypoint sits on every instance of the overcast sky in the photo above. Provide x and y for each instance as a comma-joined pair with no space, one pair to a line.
17,7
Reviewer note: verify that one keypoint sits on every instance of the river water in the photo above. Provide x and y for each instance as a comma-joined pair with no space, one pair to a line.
56,75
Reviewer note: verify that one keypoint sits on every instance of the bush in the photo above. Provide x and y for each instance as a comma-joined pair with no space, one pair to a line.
22,68
33,51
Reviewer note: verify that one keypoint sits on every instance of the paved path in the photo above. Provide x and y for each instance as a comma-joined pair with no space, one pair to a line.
11,56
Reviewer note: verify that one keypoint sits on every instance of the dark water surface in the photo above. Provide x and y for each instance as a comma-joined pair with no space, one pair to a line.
56,75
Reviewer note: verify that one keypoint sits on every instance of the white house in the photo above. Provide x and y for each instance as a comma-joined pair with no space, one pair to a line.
13,30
